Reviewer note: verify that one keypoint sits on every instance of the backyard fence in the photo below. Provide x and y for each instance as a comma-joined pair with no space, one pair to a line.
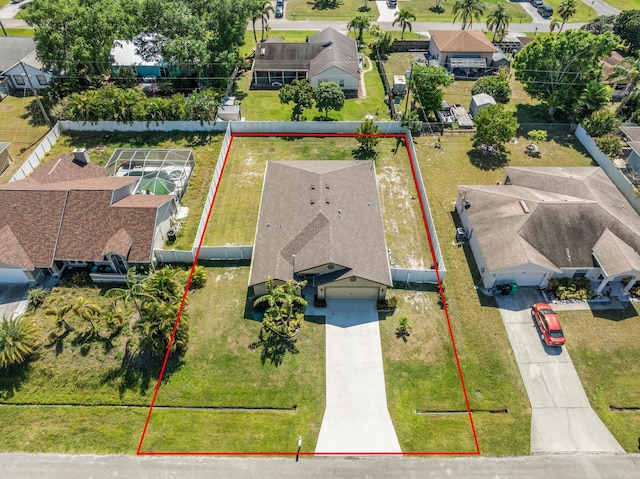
34,158
419,276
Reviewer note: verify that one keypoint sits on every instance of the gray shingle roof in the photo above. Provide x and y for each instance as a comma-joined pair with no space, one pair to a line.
321,212
13,49
572,212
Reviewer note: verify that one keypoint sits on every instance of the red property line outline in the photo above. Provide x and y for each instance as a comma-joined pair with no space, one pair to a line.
403,136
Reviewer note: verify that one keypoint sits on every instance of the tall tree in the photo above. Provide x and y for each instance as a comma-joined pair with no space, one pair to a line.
498,21
285,307
566,10
18,340
600,24
467,10
264,10
300,92
426,83
494,126
403,18
557,68
627,27
594,97
368,136
329,96
359,24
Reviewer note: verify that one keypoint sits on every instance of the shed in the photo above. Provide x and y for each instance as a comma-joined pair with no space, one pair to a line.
399,85
480,101
5,156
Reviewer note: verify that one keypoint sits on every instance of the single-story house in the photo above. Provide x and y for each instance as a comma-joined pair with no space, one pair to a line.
125,54
465,53
13,50
321,221
550,222
68,213
480,101
609,66
632,136
326,56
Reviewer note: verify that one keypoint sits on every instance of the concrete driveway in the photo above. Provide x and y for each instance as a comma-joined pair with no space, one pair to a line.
356,418
562,419
13,299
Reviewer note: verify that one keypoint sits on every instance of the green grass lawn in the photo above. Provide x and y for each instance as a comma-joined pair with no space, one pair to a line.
603,347
346,10
625,4
19,128
235,212
490,372
20,32
584,12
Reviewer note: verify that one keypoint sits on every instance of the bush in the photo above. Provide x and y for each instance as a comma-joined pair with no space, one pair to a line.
611,145
600,123
403,331
388,304
36,297
537,135
570,288
199,278
495,85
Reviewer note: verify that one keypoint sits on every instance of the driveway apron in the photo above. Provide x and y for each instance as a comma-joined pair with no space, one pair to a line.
356,418
562,419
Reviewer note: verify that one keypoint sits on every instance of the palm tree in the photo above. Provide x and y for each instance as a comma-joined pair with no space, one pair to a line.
403,18
259,9
18,340
285,307
87,311
467,10
553,24
135,291
358,25
498,21
156,326
628,71
164,285
566,10
265,14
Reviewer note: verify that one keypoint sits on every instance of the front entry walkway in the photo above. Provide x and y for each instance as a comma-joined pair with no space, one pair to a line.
562,420
356,418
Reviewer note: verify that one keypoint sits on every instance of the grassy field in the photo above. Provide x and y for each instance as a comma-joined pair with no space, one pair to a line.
19,129
604,350
20,32
625,4
235,212
346,10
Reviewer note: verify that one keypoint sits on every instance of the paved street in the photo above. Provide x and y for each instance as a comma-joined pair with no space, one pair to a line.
562,419
572,466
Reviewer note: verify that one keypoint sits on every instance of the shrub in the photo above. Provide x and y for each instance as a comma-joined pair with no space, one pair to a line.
570,288
496,85
403,331
611,145
18,340
537,135
387,304
199,277
36,297
600,123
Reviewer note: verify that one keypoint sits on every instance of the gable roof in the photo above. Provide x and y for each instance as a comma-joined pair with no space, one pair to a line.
461,41
572,213
69,211
315,213
326,49
14,49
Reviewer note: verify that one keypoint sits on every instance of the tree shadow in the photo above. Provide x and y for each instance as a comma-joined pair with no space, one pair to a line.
12,378
323,118
362,154
274,347
325,4
488,161
526,113
435,9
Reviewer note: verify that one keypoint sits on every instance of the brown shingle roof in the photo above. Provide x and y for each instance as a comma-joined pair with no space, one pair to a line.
322,212
461,41
64,168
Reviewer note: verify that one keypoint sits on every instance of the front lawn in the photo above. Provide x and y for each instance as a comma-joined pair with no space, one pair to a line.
604,349
584,12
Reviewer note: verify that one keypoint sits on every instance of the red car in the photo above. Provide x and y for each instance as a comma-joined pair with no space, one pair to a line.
549,324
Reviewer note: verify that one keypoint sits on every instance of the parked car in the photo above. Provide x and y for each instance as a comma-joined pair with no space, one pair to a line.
280,3
536,3
549,324
545,11
279,11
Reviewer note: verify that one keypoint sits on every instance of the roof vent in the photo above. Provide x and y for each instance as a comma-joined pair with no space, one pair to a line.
327,44
524,206
327,186
327,200
263,51
81,156
313,201
313,187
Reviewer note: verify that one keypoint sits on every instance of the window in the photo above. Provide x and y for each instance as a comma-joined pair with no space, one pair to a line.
18,79
341,83
42,80
579,274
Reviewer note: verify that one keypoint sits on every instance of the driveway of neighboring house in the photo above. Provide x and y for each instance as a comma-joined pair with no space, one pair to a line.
13,299
356,418
562,419
386,14
10,10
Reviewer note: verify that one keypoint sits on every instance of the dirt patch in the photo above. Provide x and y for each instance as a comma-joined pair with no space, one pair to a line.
6,108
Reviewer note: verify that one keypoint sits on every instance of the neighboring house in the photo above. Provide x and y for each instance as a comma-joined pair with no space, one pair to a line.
609,65
16,49
69,213
321,221
480,101
125,54
632,136
326,56
465,53
548,222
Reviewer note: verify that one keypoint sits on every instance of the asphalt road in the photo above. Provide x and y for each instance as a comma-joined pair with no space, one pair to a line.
574,466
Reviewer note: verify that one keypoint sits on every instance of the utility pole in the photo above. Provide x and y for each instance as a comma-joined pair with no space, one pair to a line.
406,106
44,112
3,30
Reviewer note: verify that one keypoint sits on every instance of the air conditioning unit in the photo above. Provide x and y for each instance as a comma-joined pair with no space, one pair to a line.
80,155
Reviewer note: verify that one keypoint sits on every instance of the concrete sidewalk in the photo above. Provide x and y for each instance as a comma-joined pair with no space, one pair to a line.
356,418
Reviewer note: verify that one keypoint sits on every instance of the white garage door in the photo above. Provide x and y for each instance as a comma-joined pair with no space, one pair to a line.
522,279
12,276
352,293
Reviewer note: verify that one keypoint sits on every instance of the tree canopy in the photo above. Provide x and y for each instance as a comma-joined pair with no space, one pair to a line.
425,83
300,92
329,96
557,68
467,11
494,126
497,86
627,27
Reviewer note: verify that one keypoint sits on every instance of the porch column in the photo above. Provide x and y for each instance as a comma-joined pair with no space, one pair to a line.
629,285
603,285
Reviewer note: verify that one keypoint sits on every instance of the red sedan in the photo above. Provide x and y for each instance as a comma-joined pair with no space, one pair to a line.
549,324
